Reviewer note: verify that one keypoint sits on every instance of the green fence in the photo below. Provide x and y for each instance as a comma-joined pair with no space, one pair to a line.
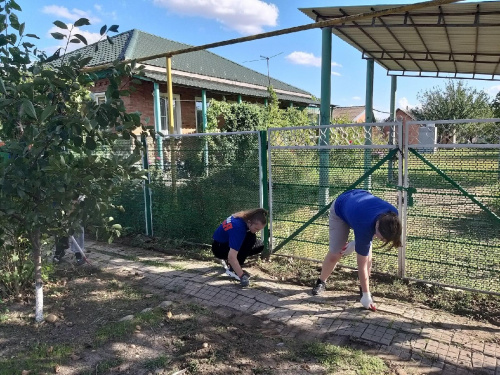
195,182
442,177
297,166
453,226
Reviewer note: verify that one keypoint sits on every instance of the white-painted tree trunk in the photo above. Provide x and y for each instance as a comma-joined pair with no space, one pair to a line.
37,260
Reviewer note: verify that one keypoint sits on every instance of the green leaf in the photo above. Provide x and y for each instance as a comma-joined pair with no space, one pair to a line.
58,36
74,40
21,193
32,36
28,108
47,112
82,22
60,25
110,40
78,141
114,28
103,30
2,87
90,143
15,6
61,189
116,226
82,38
21,28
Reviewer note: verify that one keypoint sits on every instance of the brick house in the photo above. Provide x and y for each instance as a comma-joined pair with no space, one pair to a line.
192,73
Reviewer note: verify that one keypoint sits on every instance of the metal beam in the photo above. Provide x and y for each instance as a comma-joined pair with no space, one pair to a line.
369,36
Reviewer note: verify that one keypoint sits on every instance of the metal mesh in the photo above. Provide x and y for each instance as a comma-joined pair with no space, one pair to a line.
211,177
300,188
453,228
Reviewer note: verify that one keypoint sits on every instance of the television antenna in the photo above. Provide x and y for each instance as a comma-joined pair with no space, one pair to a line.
267,58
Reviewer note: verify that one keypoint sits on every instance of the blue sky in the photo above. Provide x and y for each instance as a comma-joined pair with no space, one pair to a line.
198,22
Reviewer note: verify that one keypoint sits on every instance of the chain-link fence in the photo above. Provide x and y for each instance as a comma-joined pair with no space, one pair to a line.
309,167
197,180
452,219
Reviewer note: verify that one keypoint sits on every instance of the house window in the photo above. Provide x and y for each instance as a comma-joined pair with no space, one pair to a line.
199,115
99,97
177,114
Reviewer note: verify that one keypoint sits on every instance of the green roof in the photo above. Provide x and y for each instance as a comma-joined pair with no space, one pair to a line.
135,44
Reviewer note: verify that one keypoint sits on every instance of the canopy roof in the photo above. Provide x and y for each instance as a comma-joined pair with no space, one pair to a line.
459,40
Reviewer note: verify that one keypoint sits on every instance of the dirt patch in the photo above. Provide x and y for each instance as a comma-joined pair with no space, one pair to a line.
87,336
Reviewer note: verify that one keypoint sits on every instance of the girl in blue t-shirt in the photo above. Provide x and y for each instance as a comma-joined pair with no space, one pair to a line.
235,240
369,217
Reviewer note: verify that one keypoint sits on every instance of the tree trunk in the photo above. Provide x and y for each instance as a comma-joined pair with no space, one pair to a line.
37,260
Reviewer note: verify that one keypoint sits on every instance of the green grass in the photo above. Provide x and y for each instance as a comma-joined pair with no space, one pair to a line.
119,330
158,362
39,358
339,359
102,367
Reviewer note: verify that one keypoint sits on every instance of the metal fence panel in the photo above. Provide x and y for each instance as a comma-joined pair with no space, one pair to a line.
197,180
453,224
299,189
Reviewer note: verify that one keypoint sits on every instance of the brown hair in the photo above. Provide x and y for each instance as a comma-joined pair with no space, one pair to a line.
253,215
389,226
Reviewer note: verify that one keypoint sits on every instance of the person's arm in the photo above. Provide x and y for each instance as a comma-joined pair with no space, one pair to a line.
232,257
364,272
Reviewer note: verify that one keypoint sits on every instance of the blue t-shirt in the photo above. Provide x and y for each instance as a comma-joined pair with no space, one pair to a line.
360,210
233,231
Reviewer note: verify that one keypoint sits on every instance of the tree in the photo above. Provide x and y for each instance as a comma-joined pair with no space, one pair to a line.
495,106
455,101
56,135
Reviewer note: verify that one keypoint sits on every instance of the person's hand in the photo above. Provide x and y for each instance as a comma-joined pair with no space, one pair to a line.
367,301
244,279
348,248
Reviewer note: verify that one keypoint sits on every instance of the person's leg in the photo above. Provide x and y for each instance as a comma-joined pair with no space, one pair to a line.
250,246
220,250
339,232
61,246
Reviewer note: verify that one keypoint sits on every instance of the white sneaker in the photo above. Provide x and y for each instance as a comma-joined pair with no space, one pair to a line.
229,270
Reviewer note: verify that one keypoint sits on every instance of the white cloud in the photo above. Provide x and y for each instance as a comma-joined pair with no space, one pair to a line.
71,15
306,58
356,97
404,104
336,74
91,38
246,17
493,90
98,7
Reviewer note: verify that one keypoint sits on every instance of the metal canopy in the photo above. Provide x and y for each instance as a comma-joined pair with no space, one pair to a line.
460,40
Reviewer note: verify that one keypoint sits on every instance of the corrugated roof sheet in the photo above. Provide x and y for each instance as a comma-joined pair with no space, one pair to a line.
136,43
348,112
224,88
453,40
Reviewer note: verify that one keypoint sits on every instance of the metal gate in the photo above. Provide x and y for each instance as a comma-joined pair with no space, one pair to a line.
442,176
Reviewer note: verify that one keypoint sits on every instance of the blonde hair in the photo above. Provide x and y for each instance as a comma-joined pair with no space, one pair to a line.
253,215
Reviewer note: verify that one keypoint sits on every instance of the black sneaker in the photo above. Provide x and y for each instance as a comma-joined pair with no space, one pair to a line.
80,261
319,288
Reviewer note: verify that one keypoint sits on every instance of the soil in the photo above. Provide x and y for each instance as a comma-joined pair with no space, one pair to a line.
183,338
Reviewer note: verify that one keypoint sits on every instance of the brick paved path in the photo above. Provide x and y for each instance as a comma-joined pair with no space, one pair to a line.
416,338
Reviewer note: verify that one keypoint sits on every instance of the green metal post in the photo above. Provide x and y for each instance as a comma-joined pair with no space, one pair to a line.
157,112
324,139
291,105
148,212
392,118
265,102
204,128
239,99
369,119
264,186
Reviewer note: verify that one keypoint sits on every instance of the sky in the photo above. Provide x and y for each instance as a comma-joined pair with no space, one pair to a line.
293,58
